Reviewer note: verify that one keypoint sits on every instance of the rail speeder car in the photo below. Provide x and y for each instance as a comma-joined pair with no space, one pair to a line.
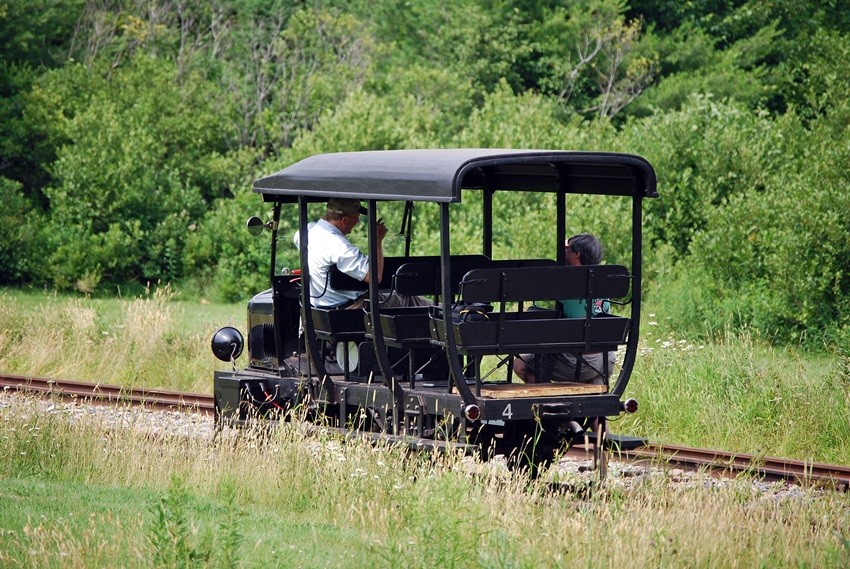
416,373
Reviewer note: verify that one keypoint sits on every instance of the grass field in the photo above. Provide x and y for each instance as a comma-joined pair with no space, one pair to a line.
87,495
148,341
188,317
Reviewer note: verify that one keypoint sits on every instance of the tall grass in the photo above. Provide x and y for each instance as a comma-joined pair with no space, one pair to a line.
740,394
291,501
140,342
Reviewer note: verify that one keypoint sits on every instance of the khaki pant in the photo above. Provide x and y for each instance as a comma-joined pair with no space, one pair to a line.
392,300
591,370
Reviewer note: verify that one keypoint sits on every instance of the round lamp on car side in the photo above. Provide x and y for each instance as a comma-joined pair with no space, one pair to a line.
227,344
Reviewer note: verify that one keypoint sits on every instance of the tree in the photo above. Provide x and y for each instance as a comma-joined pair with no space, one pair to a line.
134,174
589,56
34,36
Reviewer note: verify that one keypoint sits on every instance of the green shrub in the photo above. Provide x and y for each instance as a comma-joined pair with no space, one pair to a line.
22,249
364,121
776,257
144,154
703,154
225,261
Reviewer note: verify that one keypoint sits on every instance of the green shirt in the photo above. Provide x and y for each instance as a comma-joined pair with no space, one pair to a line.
577,307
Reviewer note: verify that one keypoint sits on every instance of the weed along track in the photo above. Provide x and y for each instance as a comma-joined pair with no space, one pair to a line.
674,459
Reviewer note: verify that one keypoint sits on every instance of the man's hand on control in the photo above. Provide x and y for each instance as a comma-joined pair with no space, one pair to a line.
382,229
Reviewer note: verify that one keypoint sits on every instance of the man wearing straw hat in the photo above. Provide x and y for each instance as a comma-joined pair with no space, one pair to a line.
329,246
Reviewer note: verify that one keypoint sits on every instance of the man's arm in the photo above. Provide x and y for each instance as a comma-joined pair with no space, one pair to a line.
379,254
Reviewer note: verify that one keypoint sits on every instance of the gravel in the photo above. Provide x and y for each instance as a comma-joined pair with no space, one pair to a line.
177,423
184,424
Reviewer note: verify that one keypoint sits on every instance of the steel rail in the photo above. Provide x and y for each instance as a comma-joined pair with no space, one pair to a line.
109,394
716,462
733,464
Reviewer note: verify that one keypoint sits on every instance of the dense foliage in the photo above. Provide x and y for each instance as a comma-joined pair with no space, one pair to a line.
131,132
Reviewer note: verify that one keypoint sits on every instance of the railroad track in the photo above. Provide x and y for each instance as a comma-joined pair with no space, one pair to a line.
109,394
719,463
733,464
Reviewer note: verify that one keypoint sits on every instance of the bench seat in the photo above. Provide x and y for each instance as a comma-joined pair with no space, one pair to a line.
513,332
338,325
406,325
530,332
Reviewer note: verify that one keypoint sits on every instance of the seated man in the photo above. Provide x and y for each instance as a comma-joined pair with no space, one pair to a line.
329,246
582,249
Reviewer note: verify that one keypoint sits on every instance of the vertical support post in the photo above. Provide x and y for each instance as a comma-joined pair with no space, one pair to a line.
487,207
313,353
634,322
561,226
456,376
374,313
407,227
277,299
275,219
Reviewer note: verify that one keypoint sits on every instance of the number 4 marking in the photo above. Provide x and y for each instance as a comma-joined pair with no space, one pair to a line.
507,412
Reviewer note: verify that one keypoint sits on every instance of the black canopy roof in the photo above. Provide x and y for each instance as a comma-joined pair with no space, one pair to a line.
440,175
